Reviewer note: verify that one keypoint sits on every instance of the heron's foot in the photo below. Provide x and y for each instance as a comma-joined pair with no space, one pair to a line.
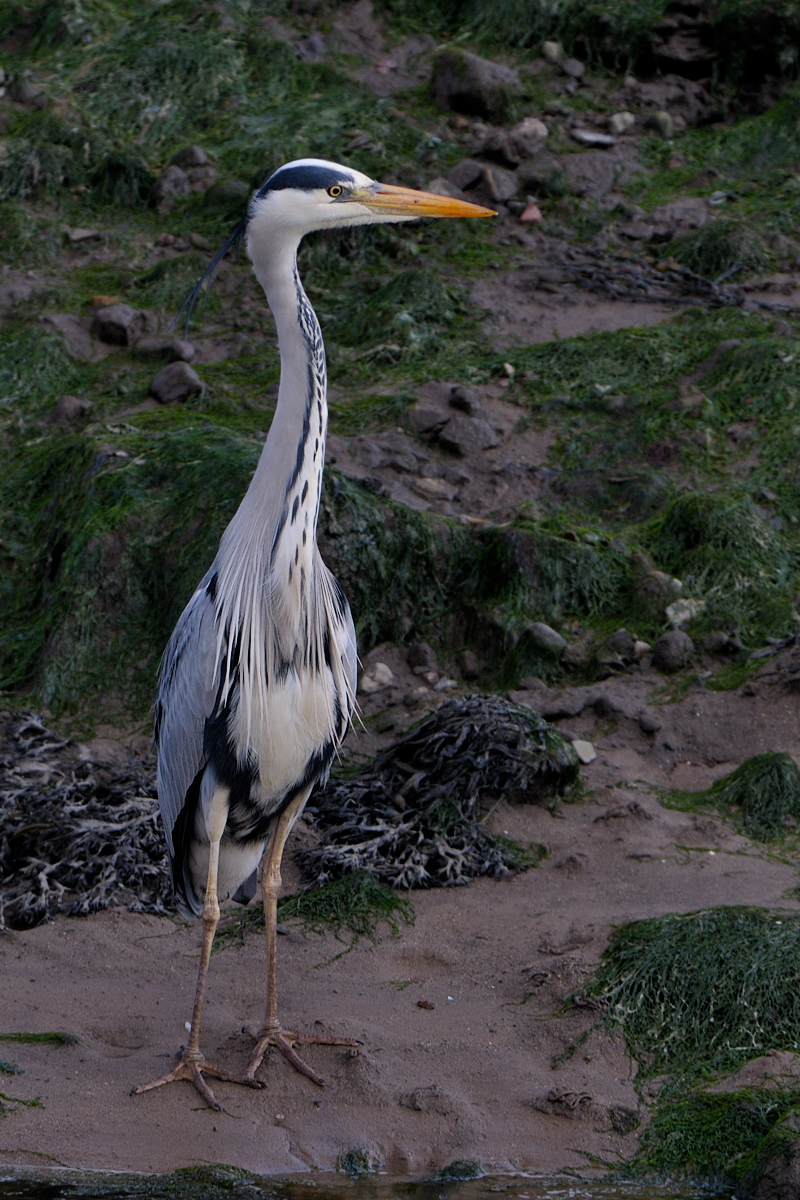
284,1041
193,1067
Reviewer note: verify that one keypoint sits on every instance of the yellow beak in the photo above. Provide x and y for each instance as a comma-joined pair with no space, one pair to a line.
405,202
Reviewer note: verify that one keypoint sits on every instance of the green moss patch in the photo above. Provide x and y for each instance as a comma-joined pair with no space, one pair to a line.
701,994
762,795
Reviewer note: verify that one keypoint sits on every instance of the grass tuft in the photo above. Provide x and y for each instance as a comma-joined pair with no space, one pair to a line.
699,995
720,247
763,796
40,1039
462,1169
354,1163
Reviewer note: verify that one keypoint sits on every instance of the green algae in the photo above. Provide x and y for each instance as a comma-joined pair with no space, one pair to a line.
762,795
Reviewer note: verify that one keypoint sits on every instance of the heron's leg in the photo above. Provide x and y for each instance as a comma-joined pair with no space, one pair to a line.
192,1065
271,1033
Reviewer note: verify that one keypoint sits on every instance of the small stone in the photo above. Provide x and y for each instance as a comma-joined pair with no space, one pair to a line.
622,643
662,123
443,187
649,723
426,1004
717,643
530,214
673,650
433,489
119,325
472,85
175,383
312,48
190,156
465,400
468,661
553,53
573,67
421,654
465,174
367,686
683,611
172,184
547,639
168,349
382,674
464,435
427,420
585,751
641,648
621,122
445,685
591,137
199,242
68,410
76,236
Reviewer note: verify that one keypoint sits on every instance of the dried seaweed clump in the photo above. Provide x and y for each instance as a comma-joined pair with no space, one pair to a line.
74,838
412,817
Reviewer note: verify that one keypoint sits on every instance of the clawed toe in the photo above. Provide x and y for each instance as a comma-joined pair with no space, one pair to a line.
192,1068
285,1041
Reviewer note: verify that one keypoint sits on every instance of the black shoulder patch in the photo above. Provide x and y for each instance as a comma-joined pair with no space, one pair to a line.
211,587
307,179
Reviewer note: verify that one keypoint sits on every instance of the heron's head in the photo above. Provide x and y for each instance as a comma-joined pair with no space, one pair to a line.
312,194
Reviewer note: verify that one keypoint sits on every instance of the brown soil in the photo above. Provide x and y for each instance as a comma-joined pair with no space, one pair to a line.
475,1076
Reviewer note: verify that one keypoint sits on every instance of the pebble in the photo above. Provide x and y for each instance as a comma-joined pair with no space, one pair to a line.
553,53
76,236
465,400
683,611
443,187
547,639
191,156
648,723
673,650
662,123
573,67
585,751
445,685
622,643
172,183
421,654
464,435
121,325
68,410
590,137
468,661
621,122
530,214
175,383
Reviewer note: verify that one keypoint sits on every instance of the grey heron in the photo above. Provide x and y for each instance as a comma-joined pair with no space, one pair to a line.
257,684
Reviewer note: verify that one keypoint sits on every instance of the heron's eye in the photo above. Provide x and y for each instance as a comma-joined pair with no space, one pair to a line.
335,191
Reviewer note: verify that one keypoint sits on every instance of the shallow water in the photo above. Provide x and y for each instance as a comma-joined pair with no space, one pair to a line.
237,1186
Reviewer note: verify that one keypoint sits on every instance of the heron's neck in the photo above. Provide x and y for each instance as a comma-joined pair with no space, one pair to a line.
285,490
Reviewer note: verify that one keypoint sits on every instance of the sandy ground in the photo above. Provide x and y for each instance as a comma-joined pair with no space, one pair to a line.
474,1077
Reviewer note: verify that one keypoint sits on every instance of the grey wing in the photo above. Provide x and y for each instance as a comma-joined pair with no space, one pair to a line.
187,693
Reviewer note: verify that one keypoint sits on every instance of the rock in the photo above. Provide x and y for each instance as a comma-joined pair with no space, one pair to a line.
641,648
433,489
673,650
190,156
175,383
649,723
443,187
553,53
496,186
445,685
621,122
168,349
228,196
543,174
77,338
546,639
585,751
68,410
121,325
172,183
779,1170
312,48
622,643
656,590
592,137
719,644
465,174
512,146
378,677
76,236
530,214
467,435
465,400
199,242
468,662
662,123
673,94
472,85
421,654
426,420
683,611
573,67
